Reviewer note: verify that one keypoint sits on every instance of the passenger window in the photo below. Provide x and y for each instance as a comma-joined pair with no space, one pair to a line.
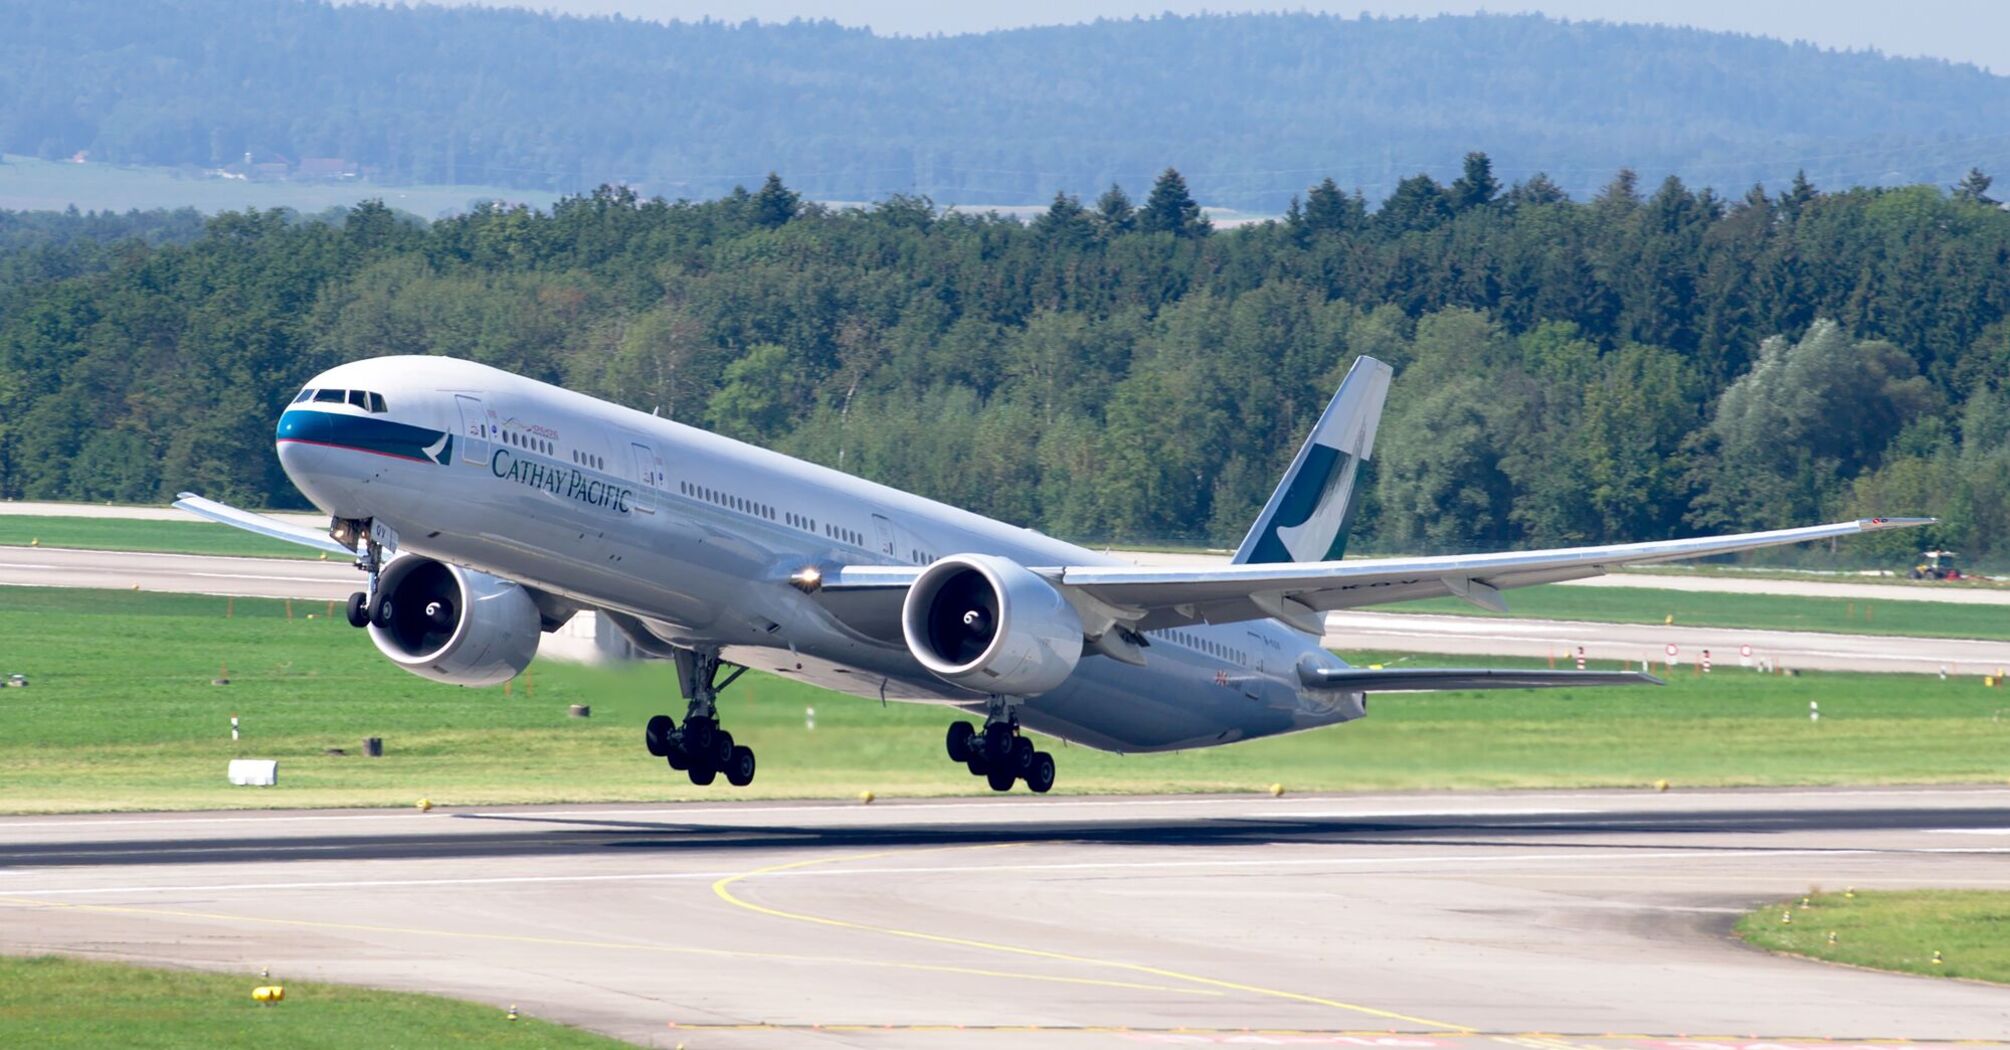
329,396
304,395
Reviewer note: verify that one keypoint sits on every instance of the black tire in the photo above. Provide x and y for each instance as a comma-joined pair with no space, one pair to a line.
740,768
1041,776
1021,759
697,738
1000,780
976,766
722,750
998,744
359,609
678,760
658,734
959,741
701,775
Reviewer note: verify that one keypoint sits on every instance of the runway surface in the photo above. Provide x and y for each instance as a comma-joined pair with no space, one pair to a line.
333,580
1398,921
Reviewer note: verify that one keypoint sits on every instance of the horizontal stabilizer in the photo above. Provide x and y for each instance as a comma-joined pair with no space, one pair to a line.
1426,679
225,514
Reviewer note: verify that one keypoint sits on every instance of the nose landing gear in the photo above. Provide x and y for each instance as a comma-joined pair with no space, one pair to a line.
1000,755
700,749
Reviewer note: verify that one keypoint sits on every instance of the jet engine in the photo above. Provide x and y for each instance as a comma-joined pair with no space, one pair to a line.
990,624
453,625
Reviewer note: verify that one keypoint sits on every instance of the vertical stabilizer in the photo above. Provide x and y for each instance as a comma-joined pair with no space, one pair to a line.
1307,518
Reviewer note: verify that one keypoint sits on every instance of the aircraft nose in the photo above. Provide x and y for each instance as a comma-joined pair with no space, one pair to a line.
314,470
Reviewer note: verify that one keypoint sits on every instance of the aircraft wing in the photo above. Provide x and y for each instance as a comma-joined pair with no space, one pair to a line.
226,514
1427,679
1148,598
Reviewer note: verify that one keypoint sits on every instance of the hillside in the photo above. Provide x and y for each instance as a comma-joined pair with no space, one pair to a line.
1254,107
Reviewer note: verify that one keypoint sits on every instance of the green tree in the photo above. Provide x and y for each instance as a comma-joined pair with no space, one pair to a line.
1171,209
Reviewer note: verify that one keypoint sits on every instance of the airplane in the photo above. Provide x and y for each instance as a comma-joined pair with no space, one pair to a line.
485,507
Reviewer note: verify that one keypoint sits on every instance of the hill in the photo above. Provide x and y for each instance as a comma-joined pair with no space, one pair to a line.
1253,107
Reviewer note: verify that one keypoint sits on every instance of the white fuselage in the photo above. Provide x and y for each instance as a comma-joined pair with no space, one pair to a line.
697,534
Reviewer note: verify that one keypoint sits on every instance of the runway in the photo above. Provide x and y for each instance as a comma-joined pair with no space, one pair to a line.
1401,921
1346,632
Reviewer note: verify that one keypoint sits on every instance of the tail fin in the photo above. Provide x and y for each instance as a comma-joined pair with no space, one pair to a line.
1307,517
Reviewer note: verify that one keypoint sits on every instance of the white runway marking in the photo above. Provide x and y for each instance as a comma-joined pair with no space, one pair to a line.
1966,831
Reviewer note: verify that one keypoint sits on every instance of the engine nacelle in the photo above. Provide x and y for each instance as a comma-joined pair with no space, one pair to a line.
454,625
990,624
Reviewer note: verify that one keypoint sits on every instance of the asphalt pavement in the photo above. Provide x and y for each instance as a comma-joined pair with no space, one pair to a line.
1541,920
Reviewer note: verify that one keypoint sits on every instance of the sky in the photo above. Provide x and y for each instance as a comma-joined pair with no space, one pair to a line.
1976,31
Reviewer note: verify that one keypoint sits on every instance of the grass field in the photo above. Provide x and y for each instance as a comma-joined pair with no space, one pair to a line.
120,714
29,184
52,1003
1782,612
1894,931
127,534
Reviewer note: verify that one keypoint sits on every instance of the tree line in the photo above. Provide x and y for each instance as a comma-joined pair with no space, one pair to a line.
1640,364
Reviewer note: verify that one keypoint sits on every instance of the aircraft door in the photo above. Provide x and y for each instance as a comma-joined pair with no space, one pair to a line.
476,431
882,527
649,477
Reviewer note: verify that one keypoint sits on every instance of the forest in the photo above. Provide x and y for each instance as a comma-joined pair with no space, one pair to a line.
1647,362
1251,107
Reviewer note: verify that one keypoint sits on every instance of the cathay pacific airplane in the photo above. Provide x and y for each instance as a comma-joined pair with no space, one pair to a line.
485,508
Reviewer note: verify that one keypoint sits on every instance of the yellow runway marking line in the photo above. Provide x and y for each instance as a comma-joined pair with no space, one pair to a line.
564,942
723,888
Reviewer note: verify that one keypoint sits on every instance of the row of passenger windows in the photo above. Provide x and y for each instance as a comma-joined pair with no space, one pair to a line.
727,499
762,510
919,557
530,442
1205,645
368,401
588,459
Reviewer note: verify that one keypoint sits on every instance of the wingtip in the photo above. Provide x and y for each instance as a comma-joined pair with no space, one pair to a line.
1875,524
1649,679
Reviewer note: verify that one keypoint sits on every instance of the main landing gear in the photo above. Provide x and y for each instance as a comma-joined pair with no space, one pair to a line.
700,748
1000,755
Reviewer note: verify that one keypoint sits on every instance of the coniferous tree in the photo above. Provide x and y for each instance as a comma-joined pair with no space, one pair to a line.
1114,212
1974,188
775,203
1327,210
1171,209
1418,204
1477,187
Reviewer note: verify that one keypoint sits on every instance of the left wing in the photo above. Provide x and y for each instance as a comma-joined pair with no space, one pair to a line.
1146,598
225,514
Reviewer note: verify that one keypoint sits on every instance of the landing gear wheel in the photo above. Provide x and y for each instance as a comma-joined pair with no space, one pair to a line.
1000,780
658,734
701,775
678,760
959,741
1040,777
721,755
976,766
740,767
359,609
998,739
1021,759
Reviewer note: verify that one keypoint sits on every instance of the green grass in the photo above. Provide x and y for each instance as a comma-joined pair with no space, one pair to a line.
120,714
1894,931
53,1003
1781,612
29,184
138,534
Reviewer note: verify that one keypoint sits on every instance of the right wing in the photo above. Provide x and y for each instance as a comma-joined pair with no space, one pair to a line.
226,514
1425,679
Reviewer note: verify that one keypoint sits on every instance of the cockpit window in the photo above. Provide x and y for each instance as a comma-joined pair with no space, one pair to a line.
333,396
359,399
377,403
304,395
